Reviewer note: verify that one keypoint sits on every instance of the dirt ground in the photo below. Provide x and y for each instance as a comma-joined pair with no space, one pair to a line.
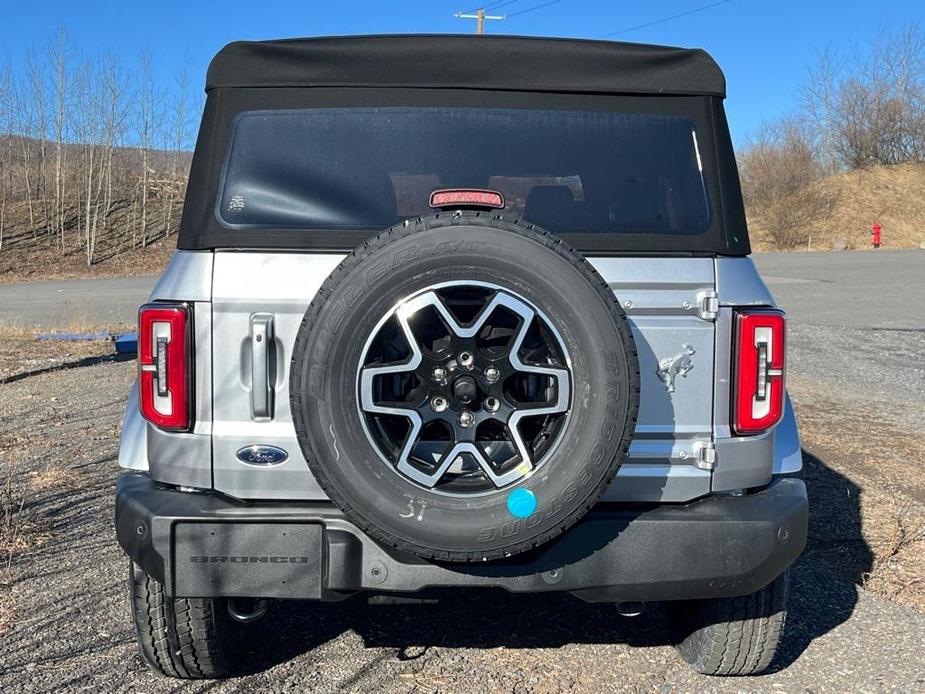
30,261
869,518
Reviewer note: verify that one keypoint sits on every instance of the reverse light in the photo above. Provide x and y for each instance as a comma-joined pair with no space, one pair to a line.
758,378
164,365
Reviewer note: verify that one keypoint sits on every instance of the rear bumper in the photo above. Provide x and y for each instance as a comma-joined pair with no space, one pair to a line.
204,545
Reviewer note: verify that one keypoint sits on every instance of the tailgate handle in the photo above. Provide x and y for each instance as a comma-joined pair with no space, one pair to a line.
262,376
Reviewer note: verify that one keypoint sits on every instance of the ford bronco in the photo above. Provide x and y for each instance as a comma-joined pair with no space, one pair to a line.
460,312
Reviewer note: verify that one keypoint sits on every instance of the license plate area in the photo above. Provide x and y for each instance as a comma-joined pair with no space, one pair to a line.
255,560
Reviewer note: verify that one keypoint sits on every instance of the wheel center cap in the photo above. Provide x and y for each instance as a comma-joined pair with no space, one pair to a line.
464,389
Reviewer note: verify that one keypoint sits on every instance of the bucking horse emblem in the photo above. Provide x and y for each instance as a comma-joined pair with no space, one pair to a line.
680,364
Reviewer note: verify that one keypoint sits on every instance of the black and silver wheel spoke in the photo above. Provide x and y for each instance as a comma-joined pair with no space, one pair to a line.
475,379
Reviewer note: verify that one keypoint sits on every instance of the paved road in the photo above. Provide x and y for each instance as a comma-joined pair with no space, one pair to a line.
856,324
861,289
882,289
74,303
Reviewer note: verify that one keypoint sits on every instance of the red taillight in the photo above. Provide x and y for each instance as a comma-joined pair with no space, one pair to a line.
164,363
466,197
758,381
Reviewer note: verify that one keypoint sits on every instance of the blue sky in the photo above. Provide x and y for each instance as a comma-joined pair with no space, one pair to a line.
764,47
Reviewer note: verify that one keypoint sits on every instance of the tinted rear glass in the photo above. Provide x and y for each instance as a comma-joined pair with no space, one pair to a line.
368,168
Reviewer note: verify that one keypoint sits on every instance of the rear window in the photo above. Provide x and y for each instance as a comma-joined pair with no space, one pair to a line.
368,168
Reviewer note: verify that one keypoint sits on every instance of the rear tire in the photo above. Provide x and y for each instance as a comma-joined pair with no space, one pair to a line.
735,636
186,638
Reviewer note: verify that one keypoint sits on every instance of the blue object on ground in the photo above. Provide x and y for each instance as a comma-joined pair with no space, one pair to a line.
127,343
521,503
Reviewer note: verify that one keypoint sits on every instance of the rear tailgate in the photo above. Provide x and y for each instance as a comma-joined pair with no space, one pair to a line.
664,299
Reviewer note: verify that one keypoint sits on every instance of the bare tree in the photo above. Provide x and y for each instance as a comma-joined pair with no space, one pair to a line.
869,108
816,101
179,129
59,52
67,174
114,88
778,166
778,160
88,123
6,172
32,105
147,106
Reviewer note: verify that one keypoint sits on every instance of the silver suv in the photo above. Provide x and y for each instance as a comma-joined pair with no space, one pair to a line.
460,312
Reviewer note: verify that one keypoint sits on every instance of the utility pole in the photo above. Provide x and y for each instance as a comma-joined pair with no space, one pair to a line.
479,18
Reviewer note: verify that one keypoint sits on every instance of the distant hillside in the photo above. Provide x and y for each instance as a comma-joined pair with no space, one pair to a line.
29,254
110,218
845,205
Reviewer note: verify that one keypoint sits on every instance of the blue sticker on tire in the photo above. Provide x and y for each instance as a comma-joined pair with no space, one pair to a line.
521,503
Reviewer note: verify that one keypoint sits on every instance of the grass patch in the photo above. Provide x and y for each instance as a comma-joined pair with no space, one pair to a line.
53,478
898,531
16,331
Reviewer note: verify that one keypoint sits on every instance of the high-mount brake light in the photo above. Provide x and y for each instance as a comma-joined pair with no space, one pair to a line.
164,365
758,380
466,197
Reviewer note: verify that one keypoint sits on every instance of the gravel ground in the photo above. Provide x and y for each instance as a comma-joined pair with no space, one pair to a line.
856,322
885,365
71,629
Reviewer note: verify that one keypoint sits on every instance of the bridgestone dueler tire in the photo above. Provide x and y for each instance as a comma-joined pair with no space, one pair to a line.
449,247
184,638
735,636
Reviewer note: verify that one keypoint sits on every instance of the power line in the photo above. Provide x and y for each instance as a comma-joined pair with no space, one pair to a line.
502,3
490,6
665,19
479,15
536,7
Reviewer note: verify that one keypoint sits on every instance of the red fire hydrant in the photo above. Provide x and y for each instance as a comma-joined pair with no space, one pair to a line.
875,235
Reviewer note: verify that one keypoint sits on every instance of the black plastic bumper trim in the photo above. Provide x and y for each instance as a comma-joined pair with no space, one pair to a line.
206,545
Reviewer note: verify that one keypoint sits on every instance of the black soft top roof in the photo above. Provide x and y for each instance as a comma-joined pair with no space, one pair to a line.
467,61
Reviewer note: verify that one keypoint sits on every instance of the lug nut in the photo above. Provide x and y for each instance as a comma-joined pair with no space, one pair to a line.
492,404
466,360
438,404
439,373
492,374
466,419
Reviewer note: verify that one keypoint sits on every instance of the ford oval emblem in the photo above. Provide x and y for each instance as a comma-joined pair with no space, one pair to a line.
262,455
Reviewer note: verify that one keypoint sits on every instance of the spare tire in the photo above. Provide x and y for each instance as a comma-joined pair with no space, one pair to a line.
464,387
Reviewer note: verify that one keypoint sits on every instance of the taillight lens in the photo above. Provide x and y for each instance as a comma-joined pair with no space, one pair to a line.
164,363
758,381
